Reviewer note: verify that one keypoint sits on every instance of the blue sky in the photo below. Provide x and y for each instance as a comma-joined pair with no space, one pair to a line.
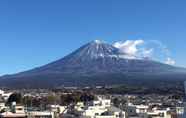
36,32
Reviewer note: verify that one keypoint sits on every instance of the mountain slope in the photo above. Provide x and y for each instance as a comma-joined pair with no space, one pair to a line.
96,63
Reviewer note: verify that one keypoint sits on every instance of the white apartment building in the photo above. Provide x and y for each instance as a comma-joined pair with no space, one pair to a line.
102,108
137,109
159,114
5,95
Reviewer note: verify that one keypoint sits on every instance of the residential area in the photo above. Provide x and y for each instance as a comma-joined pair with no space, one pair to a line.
77,103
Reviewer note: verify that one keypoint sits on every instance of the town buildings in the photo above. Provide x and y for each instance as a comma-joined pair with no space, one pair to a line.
103,106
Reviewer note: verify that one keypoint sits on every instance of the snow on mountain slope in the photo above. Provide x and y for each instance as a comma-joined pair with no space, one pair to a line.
96,59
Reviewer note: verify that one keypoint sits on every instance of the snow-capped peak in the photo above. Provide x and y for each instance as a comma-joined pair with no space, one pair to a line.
99,49
97,41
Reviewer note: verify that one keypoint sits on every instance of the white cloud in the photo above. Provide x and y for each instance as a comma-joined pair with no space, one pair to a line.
161,46
170,61
129,47
146,53
134,49
140,49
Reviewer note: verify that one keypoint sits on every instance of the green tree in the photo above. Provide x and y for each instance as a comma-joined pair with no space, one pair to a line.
15,97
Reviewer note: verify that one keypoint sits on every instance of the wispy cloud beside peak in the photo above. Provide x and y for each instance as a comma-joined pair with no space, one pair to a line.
129,46
170,61
152,49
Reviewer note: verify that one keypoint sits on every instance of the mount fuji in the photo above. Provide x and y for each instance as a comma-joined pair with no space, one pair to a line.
95,63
